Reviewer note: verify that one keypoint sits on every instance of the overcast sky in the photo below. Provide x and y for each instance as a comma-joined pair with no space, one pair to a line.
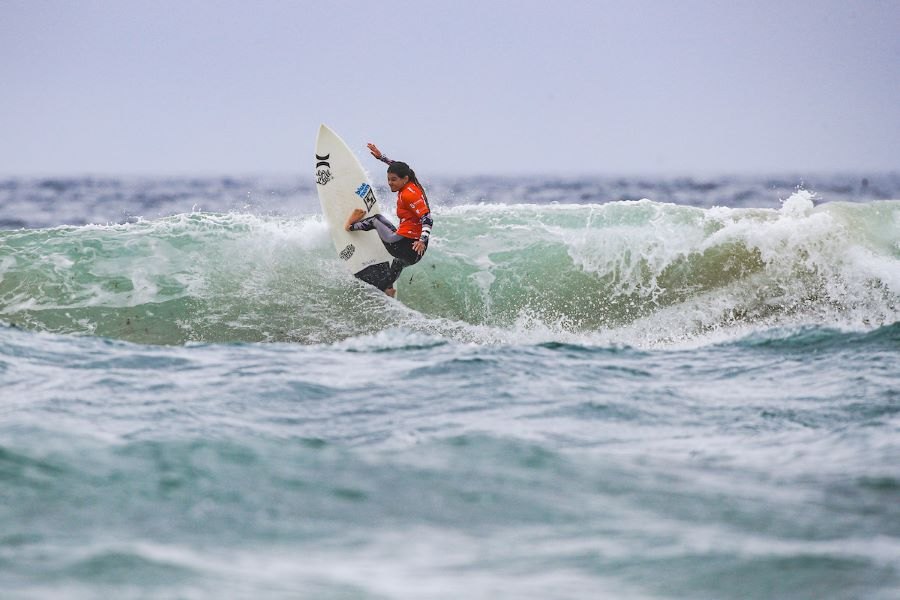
454,87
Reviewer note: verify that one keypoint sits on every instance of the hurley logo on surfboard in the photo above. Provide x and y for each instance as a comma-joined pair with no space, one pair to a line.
323,176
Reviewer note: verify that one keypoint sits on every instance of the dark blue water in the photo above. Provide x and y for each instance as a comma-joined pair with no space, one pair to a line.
598,388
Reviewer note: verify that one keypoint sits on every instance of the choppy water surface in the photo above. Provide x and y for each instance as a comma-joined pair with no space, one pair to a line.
587,389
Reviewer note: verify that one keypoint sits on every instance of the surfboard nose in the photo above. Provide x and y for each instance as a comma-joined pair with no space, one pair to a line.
323,131
327,137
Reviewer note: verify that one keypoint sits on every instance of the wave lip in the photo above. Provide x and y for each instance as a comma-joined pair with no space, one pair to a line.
643,271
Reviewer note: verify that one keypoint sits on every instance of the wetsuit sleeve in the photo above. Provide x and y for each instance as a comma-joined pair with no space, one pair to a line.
426,222
385,159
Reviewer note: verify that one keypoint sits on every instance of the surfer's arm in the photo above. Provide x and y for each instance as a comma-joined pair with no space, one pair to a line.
427,223
377,154
420,244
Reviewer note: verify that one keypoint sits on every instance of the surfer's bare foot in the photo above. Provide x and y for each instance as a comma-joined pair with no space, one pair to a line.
355,216
391,292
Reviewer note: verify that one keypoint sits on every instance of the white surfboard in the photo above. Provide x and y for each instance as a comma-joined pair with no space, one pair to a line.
343,185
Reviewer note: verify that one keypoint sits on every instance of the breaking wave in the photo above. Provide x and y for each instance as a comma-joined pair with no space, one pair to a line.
638,273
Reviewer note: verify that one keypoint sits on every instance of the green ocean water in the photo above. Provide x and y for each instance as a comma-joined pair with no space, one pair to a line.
582,271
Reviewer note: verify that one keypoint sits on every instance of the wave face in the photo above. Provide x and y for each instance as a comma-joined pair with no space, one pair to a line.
637,272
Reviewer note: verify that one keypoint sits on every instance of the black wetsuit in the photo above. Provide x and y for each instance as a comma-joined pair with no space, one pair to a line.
398,246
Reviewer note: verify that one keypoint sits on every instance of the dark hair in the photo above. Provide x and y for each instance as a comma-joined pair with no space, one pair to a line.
401,169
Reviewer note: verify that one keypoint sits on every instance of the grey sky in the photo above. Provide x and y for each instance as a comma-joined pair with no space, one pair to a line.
565,87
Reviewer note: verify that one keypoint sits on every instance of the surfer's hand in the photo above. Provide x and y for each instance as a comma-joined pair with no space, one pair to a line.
375,151
419,246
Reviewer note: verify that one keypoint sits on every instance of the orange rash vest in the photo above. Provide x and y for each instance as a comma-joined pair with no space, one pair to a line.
411,207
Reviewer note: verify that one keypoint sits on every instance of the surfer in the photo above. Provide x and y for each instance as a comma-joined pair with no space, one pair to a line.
408,242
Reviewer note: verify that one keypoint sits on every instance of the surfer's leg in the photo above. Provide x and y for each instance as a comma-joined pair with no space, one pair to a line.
394,273
355,216
403,251
386,230
397,265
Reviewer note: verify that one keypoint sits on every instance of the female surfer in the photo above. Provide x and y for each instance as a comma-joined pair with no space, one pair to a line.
406,243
